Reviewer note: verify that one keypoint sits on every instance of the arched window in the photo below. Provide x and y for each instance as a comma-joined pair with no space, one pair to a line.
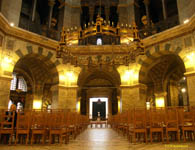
99,41
18,83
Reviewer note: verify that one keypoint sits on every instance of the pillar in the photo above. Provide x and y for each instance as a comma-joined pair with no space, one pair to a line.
38,95
191,87
34,9
64,97
51,5
164,10
67,97
107,10
126,11
174,93
11,10
5,83
91,13
72,13
147,2
160,99
131,96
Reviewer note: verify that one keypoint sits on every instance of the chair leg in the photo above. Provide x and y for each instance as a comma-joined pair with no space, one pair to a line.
43,138
134,138
10,139
184,136
167,135
150,137
162,137
16,139
146,137
50,138
178,136
32,139
27,138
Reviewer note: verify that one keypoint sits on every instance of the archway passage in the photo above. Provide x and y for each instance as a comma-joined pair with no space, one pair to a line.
166,83
99,84
40,75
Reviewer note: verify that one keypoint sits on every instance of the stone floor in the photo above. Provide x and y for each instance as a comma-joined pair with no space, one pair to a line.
103,139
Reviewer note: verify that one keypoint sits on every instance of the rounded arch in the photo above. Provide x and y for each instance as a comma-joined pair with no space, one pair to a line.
99,83
163,75
111,76
41,71
150,60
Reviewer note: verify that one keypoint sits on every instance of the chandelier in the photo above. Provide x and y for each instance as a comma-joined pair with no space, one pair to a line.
125,44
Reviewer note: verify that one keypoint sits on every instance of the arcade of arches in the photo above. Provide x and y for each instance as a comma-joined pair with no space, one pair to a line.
162,77
31,75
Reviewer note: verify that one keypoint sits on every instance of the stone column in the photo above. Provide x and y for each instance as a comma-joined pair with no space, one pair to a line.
34,9
126,11
147,2
29,101
164,10
131,97
173,93
51,5
162,96
191,87
72,13
11,10
5,83
91,13
67,98
107,10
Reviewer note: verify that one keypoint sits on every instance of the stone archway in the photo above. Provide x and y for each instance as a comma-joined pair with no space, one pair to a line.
41,75
164,78
96,83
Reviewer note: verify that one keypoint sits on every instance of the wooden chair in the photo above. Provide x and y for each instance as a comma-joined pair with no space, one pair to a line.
65,131
157,122
7,124
39,120
130,122
172,125
55,126
139,125
23,125
188,124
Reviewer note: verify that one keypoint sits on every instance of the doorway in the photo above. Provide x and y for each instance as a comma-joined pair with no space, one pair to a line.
98,105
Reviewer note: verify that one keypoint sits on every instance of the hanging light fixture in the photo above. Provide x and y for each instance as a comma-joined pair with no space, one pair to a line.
125,35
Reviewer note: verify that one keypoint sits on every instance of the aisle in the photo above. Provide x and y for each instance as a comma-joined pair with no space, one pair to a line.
101,139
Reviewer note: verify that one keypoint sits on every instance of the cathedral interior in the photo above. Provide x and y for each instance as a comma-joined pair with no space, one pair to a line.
100,61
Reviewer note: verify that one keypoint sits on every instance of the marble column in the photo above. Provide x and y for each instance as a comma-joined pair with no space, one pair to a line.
147,2
51,5
164,9
34,9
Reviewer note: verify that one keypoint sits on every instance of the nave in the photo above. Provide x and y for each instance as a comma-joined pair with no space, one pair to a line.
103,139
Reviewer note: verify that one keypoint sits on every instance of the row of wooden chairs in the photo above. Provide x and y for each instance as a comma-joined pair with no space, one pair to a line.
39,125
160,123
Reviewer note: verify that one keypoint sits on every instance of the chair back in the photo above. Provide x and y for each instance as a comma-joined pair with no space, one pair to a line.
23,120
